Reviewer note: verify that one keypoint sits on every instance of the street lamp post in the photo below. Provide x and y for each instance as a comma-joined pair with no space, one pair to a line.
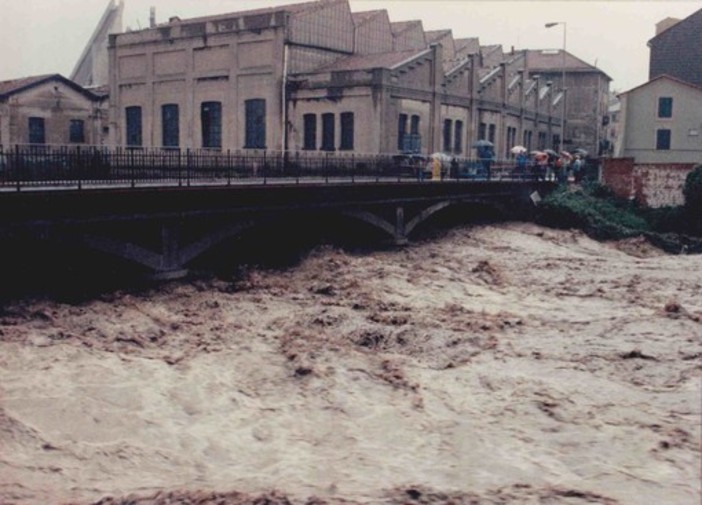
563,81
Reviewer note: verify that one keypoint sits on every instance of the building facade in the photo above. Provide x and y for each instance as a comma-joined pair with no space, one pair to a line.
50,109
676,50
317,77
662,122
586,98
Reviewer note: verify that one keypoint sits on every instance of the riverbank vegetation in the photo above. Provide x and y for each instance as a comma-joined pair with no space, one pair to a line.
595,209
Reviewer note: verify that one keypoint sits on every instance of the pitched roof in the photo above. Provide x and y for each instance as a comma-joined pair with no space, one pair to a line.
298,8
539,59
470,45
362,17
434,35
370,61
9,88
675,26
663,76
398,27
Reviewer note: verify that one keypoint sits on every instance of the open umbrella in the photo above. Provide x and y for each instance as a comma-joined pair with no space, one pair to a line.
580,151
551,152
441,156
566,154
483,143
518,149
538,154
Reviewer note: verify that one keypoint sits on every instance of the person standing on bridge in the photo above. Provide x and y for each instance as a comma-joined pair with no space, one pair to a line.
486,155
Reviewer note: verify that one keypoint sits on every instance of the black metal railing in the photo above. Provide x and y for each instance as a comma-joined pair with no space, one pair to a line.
27,166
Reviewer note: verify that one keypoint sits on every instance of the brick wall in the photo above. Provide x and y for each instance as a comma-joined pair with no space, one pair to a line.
617,175
650,184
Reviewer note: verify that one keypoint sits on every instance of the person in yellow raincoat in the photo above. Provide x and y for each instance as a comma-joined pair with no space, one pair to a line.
436,169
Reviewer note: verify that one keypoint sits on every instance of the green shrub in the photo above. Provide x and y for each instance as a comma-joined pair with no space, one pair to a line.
693,189
601,218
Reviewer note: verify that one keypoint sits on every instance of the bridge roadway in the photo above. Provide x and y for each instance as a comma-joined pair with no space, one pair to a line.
164,227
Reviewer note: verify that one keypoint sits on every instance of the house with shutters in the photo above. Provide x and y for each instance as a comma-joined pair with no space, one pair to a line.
662,122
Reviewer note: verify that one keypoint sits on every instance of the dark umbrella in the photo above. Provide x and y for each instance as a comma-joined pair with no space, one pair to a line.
483,143
551,153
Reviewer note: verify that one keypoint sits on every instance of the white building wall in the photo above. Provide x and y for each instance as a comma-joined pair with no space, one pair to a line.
642,122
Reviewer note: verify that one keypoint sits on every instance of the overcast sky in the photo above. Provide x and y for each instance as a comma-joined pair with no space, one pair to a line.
48,36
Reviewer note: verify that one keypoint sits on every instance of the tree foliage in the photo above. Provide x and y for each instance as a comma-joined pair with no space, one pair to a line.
693,190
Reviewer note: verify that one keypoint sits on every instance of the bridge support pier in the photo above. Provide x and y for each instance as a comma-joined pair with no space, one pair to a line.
400,236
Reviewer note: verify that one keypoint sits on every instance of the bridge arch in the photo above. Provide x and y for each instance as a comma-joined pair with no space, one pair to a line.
171,260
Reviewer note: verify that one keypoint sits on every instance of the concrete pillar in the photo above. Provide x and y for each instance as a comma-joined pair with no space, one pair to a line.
400,235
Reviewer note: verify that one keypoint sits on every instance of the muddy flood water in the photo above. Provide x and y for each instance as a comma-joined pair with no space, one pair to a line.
497,364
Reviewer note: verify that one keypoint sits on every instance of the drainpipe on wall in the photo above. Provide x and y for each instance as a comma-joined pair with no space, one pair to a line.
284,98
435,106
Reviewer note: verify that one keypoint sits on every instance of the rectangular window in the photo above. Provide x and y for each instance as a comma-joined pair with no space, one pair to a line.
255,124
458,137
491,133
447,135
665,107
310,132
346,131
76,131
414,125
170,129
401,131
482,131
556,139
542,141
133,126
211,123
37,133
327,132
511,140
663,139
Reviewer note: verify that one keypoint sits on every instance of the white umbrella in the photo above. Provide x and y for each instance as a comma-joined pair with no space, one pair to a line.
518,149
441,156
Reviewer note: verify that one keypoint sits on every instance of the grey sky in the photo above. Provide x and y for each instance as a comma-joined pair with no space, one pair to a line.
48,36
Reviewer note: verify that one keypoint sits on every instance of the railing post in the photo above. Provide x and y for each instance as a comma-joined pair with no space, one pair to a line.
17,166
132,167
188,160
353,168
229,167
265,169
180,167
79,167
298,169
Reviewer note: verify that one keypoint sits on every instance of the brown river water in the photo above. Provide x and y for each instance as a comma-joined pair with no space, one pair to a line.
496,364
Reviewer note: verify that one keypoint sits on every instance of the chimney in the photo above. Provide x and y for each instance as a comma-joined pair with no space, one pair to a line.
152,17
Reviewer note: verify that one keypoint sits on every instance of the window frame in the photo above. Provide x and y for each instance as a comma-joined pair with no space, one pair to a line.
328,132
309,132
255,123
213,129
36,126
134,136
347,126
402,119
669,142
669,108
170,132
458,136
73,137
